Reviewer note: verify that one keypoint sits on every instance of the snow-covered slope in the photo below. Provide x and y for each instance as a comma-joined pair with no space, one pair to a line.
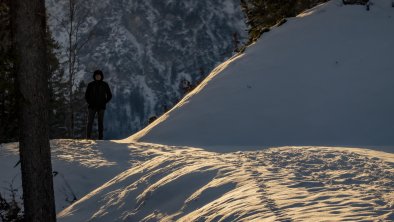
323,78
79,167
116,181
146,48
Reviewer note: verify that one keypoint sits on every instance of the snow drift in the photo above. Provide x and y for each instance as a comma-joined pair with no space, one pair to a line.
166,183
323,78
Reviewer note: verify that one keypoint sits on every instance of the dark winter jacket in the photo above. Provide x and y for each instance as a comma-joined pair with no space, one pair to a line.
98,94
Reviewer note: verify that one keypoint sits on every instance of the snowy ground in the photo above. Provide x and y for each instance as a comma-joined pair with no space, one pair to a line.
323,78
117,181
79,167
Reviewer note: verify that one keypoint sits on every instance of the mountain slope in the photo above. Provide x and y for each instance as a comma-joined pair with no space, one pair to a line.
323,78
146,48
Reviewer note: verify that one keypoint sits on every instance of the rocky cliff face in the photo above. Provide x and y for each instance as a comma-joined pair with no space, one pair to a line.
146,48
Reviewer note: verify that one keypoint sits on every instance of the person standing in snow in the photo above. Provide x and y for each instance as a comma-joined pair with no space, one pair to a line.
97,95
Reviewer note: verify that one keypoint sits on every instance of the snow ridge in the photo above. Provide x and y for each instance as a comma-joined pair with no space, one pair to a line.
323,78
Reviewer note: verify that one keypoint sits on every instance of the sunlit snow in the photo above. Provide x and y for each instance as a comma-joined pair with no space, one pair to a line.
298,128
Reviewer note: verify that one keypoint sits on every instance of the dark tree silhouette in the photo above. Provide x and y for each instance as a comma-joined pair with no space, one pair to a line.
28,24
263,14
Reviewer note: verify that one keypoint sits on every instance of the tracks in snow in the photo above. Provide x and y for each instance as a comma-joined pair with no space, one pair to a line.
279,184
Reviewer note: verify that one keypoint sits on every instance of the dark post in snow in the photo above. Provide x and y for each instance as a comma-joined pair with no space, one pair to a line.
29,44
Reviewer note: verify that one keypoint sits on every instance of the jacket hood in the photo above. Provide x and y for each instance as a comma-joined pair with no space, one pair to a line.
98,72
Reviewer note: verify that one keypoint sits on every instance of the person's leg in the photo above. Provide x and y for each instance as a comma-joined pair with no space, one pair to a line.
91,114
101,123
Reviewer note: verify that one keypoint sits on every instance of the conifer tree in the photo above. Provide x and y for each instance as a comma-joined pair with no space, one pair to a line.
263,14
8,103
29,44
8,109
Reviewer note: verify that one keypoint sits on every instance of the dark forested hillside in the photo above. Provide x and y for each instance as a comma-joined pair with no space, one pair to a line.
146,49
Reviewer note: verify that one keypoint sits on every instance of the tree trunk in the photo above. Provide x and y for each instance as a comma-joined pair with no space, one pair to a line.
29,35
71,66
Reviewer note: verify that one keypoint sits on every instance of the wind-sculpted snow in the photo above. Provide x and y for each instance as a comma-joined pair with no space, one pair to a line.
275,184
84,153
149,182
